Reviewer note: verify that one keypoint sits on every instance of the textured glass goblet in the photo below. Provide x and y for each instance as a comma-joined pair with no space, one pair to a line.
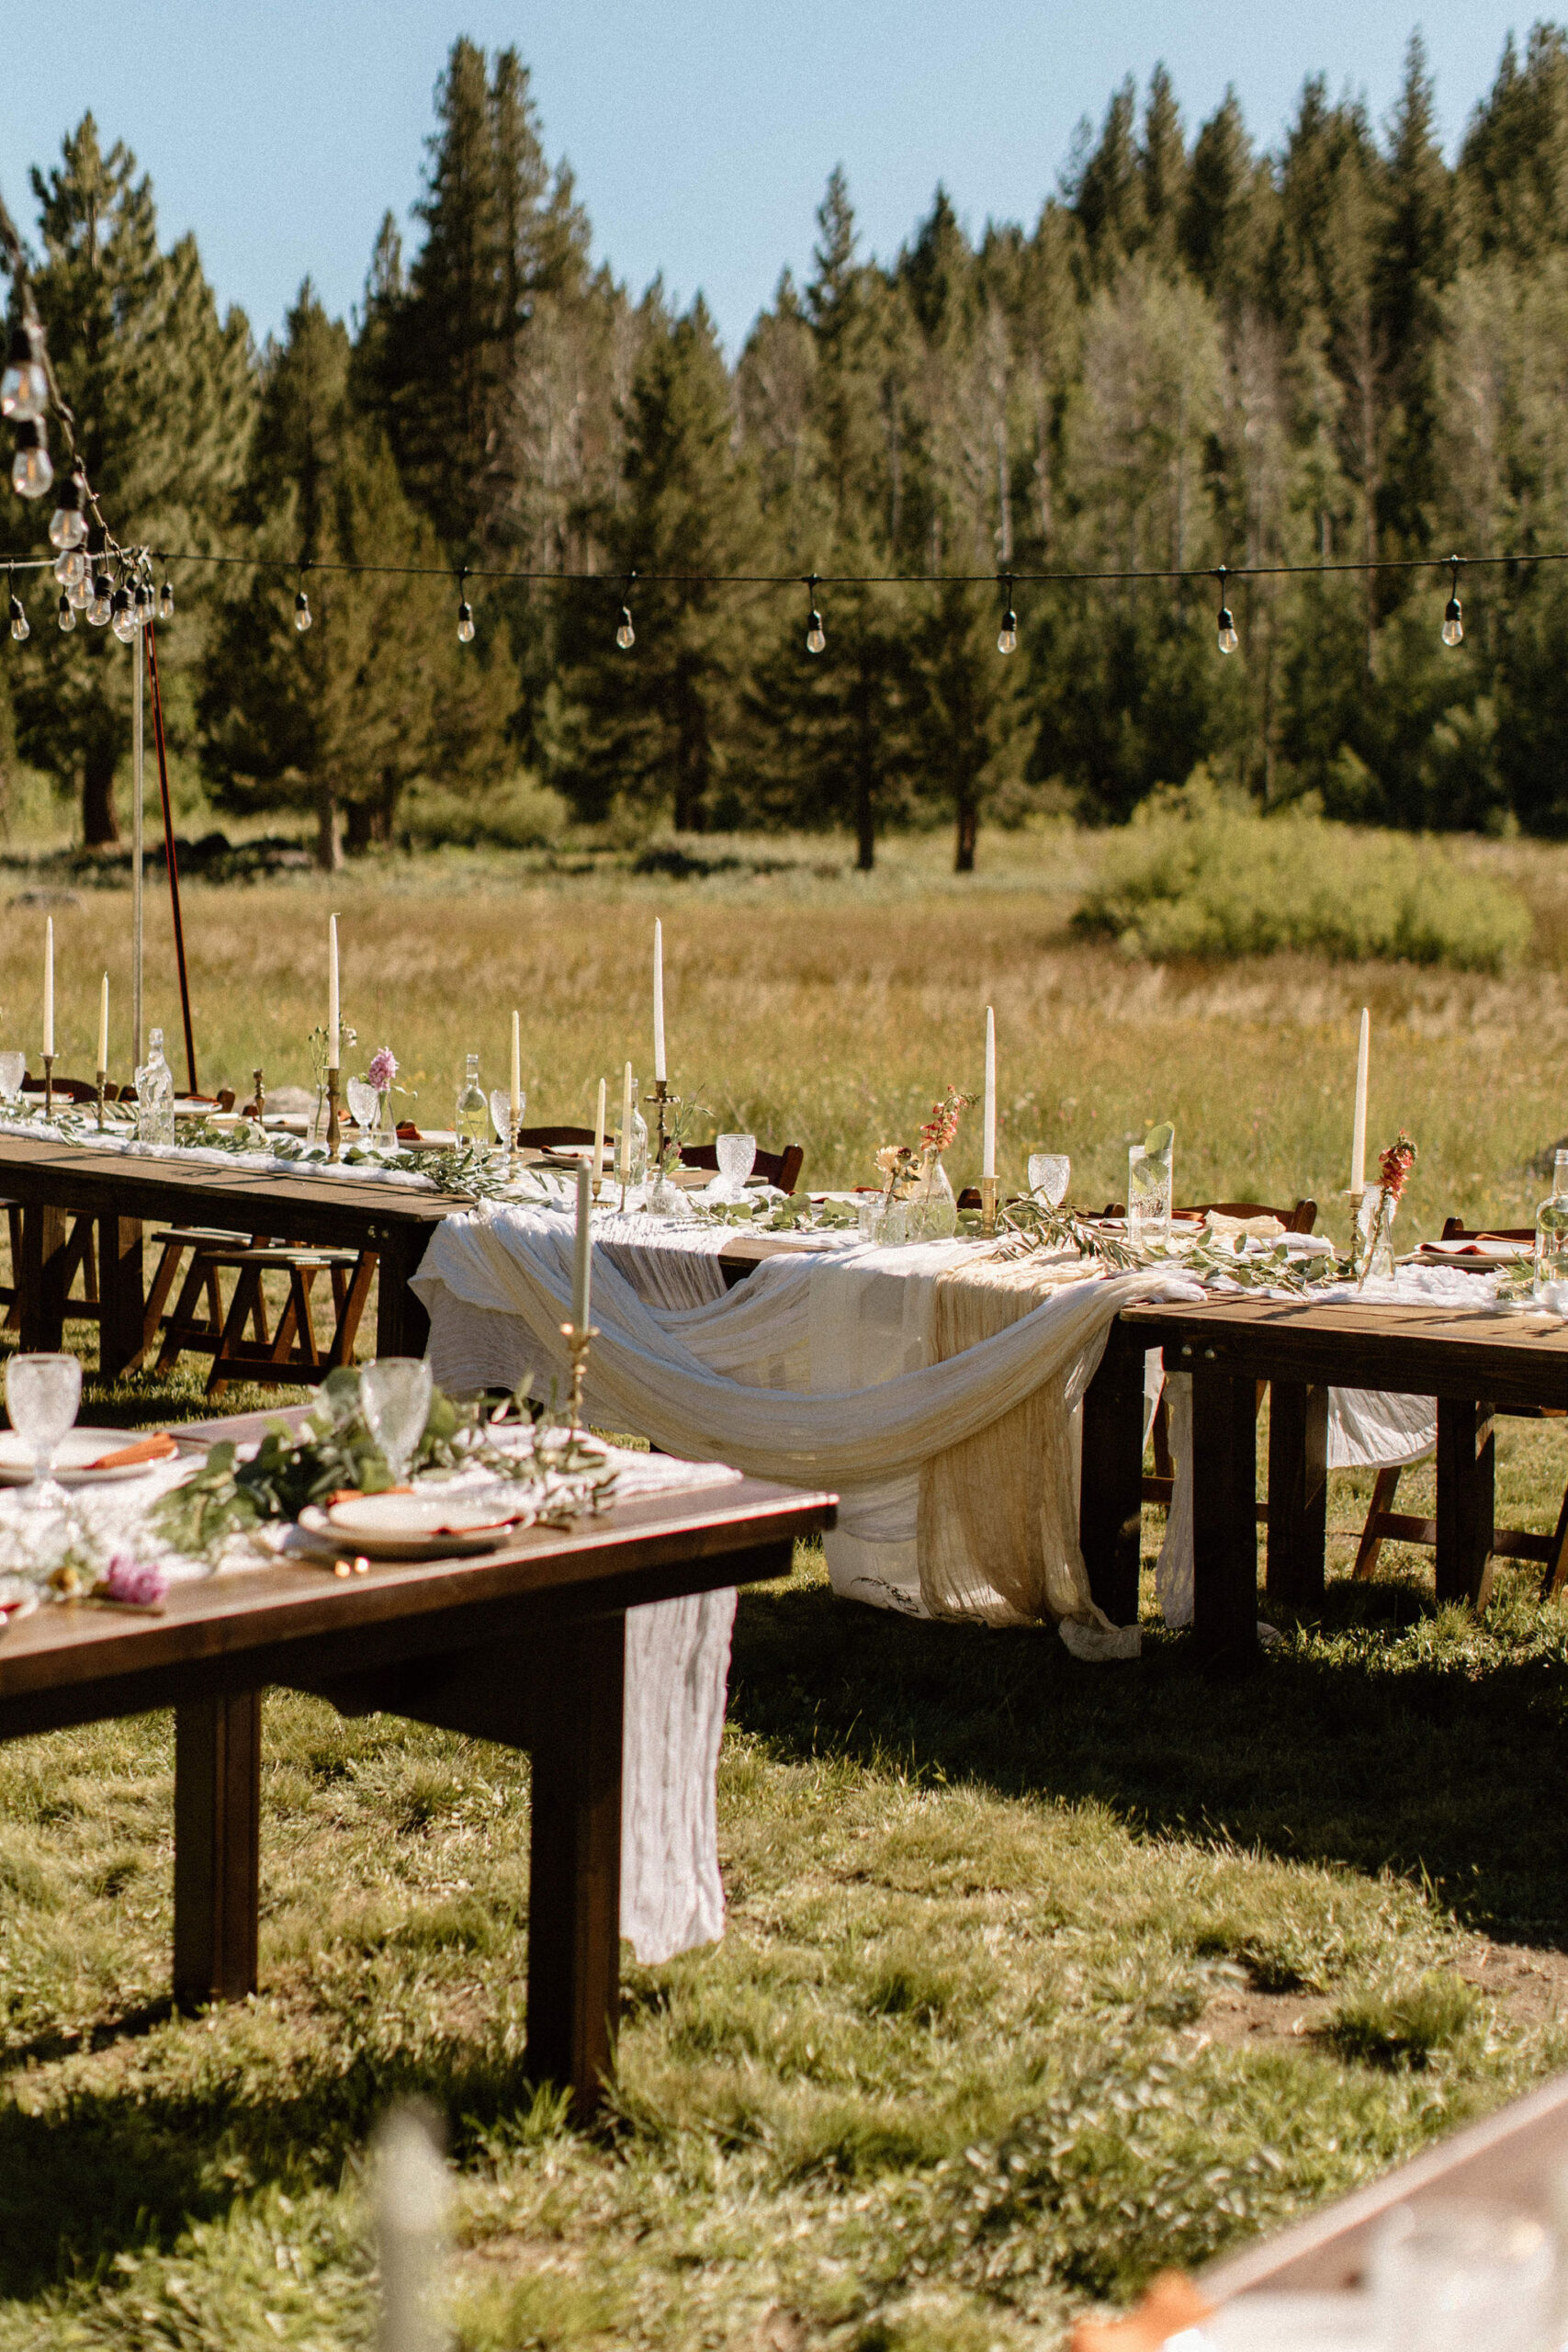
395,1394
500,1114
12,1069
736,1156
363,1105
43,1395
1050,1172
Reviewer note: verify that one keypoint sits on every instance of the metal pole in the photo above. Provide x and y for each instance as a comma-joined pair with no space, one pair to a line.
136,662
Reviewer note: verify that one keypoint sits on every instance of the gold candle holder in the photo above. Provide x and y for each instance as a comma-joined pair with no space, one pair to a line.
660,1096
260,1098
579,1342
49,1086
335,1129
102,1076
987,1206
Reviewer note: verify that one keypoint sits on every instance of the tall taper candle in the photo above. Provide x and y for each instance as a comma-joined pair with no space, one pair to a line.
988,1146
581,1262
334,1024
48,986
597,1165
658,1069
626,1126
104,1024
1359,1125
516,1079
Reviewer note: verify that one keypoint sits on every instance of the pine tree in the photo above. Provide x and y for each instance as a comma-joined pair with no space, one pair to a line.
162,393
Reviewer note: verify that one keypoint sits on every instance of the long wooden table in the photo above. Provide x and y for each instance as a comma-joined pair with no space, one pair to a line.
1471,1360
526,1646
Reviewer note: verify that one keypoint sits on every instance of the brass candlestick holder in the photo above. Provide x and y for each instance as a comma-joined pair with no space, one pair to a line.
260,1097
335,1129
579,1342
49,1086
987,1206
659,1097
102,1076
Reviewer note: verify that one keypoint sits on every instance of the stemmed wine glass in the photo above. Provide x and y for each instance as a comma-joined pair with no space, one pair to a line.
500,1114
12,1069
43,1395
1049,1175
363,1105
395,1394
737,1156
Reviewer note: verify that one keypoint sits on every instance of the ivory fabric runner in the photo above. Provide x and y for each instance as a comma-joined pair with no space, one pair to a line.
677,1681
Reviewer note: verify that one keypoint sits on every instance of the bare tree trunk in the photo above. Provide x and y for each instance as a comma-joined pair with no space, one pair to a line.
329,849
100,823
968,831
866,782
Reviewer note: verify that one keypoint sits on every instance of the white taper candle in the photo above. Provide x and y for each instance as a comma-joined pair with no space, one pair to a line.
626,1126
988,1145
1359,1125
334,1023
582,1262
48,986
659,1070
516,1077
104,1024
598,1166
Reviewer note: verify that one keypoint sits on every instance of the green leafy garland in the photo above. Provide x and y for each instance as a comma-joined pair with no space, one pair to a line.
336,1451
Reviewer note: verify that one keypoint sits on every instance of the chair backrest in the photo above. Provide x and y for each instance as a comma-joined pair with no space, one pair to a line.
1456,1230
1301,1219
780,1168
70,1089
552,1139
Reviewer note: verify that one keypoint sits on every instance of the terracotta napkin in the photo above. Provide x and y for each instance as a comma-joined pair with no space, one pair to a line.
155,1448
1170,2305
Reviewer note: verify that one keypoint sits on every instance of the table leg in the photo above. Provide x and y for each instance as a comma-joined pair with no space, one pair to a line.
1298,1492
121,1294
402,1327
1110,1491
217,1847
41,1281
574,1898
1466,1494
1225,1525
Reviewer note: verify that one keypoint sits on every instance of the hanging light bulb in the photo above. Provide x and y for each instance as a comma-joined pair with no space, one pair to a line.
65,612
1453,620
101,602
24,387
166,601
32,468
816,635
626,636
68,524
143,601
1228,640
465,613
79,591
70,565
302,608
19,629
1006,636
123,616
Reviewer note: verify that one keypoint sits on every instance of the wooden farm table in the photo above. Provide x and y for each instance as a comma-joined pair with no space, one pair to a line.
1470,1359
526,1646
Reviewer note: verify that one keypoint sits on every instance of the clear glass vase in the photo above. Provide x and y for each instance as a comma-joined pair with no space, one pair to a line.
933,1211
1375,1233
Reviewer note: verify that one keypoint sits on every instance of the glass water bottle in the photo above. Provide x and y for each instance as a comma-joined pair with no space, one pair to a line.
473,1110
1551,1230
155,1096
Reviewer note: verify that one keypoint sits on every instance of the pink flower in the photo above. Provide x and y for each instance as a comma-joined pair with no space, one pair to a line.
130,1580
383,1070
1395,1164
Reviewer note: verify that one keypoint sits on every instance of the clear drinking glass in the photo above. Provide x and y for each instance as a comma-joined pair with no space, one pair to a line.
395,1394
1050,1173
1149,1179
43,1395
501,1114
737,1158
363,1105
12,1069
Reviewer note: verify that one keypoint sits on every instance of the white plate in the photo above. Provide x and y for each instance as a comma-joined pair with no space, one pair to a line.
79,1448
416,1527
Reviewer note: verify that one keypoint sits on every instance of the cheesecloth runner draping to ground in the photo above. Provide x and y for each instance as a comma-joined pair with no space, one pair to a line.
677,1677
857,1370
1368,1429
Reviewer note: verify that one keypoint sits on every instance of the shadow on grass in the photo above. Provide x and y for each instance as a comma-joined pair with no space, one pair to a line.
103,2171
1365,1745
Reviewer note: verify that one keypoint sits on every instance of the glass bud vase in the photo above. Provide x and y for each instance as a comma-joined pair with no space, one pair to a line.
1551,1231
1375,1233
933,1211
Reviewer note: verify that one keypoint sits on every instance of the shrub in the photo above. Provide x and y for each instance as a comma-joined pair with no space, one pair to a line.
517,814
1192,875
1402,2027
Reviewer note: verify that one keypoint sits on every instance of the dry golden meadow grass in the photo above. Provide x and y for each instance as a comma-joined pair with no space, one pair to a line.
1037,1978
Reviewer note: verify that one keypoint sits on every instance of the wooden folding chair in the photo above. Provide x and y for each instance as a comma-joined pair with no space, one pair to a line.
1383,1524
780,1168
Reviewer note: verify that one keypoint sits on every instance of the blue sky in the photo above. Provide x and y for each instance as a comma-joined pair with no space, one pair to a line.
701,133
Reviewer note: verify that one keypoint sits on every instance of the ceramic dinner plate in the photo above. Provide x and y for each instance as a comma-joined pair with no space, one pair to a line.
79,1449
416,1527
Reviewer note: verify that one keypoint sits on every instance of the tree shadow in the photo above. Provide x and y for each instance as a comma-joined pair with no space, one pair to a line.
1427,1760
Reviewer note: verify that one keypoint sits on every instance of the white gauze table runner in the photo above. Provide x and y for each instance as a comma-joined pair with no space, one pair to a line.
817,1371
677,1681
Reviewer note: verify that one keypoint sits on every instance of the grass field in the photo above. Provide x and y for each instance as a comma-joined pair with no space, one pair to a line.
1037,1976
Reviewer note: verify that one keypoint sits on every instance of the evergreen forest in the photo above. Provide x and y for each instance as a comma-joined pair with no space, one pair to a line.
1341,352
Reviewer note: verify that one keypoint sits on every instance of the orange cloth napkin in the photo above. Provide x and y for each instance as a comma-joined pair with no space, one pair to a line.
1170,2303
155,1448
